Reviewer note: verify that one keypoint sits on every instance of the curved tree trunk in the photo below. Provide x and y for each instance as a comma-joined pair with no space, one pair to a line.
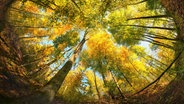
174,92
11,72
4,5
176,9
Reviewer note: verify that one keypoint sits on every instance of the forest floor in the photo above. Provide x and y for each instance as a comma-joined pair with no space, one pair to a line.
152,95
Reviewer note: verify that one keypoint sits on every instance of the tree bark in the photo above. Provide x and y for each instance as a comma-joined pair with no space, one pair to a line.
10,56
173,94
96,86
117,85
176,9
4,5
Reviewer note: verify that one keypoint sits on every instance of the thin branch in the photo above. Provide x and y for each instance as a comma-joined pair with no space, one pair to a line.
162,44
160,37
138,2
161,73
40,68
17,26
152,27
39,51
34,61
156,43
23,11
33,37
149,17
73,1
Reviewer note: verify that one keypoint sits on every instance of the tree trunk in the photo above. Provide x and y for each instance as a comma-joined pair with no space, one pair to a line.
96,86
174,91
4,5
176,9
117,85
11,71
46,94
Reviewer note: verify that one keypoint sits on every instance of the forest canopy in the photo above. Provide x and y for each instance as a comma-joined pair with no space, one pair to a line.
91,51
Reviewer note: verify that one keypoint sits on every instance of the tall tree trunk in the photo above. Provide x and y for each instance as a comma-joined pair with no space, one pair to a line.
4,5
46,94
11,71
117,85
96,86
174,91
176,9
9,46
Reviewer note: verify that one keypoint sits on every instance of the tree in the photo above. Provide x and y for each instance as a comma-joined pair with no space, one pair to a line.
175,8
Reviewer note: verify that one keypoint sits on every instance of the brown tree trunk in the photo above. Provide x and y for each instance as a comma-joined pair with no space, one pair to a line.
11,72
176,9
117,85
47,93
4,5
10,51
174,93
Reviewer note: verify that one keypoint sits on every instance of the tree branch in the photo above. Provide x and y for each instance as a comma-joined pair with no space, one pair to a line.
156,43
73,1
149,17
27,12
138,2
33,37
160,37
152,27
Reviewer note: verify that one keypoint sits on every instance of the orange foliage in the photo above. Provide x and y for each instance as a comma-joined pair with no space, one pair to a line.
31,7
61,30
